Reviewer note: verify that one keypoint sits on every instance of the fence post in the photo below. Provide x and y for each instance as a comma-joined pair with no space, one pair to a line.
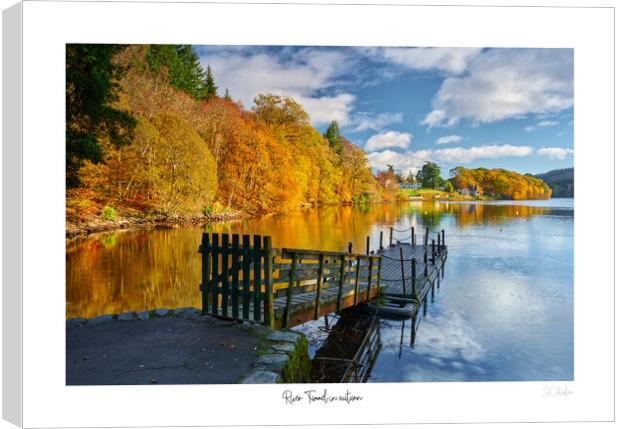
257,280
426,262
225,285
426,237
235,276
443,238
206,268
289,291
367,245
357,280
402,271
214,272
378,277
438,243
319,283
369,279
391,234
380,240
412,236
268,304
245,272
414,291
433,251
340,282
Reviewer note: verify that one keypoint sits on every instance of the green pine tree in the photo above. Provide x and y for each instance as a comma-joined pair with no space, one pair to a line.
332,134
183,67
210,88
227,95
91,88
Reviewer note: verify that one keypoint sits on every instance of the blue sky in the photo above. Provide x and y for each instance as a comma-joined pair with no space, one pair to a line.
494,108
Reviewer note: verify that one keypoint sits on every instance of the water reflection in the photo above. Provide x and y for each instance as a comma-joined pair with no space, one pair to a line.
504,310
343,347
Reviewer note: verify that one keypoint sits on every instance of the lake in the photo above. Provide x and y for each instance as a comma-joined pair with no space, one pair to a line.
504,310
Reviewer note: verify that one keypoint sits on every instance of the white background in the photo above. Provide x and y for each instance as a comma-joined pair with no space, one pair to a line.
48,26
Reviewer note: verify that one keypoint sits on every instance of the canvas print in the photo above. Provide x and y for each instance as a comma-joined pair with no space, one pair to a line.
313,214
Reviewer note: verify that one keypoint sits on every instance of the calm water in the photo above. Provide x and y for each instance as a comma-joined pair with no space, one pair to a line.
504,310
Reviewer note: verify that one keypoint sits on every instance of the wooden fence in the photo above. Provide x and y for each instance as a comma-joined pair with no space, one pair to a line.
245,278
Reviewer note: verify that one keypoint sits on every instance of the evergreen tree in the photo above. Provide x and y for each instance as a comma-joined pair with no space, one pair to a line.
227,95
91,86
210,89
332,134
430,176
183,67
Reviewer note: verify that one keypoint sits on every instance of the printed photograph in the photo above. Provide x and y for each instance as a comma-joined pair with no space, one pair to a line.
313,214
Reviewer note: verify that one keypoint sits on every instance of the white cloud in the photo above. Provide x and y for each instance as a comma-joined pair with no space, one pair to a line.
547,123
451,60
388,139
413,160
323,110
365,121
247,73
404,161
466,155
555,152
449,139
541,124
505,83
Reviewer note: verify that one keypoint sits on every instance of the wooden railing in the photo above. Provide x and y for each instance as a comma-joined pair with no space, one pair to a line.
245,278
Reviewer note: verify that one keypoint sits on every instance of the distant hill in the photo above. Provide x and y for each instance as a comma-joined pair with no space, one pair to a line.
562,182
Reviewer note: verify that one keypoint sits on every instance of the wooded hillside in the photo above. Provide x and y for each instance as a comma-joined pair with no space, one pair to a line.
499,183
562,182
148,133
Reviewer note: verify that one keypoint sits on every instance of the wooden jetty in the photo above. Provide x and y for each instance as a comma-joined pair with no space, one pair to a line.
402,258
245,278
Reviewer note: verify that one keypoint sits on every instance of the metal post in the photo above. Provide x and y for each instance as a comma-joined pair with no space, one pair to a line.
414,292
402,271
380,240
433,250
367,245
426,262
443,238
426,237
391,233
412,236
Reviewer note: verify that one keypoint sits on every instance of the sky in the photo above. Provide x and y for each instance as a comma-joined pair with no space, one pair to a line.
487,107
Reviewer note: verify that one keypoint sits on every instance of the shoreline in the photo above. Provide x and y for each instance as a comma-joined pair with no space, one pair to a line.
129,223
